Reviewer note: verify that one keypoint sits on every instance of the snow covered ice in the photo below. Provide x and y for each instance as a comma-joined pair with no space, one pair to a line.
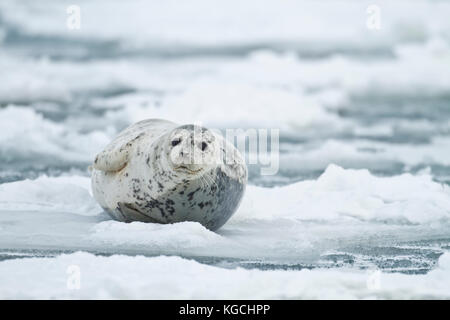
364,119
125,277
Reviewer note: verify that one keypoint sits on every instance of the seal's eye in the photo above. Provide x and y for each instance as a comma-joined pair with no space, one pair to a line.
176,141
204,145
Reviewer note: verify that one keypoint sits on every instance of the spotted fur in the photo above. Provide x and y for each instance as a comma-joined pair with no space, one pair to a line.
136,179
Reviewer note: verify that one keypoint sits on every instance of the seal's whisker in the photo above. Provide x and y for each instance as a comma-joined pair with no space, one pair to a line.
207,180
212,182
206,184
203,182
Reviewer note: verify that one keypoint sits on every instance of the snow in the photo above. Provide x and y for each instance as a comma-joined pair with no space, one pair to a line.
124,277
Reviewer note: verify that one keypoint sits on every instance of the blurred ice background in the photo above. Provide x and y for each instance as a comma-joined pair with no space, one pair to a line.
364,119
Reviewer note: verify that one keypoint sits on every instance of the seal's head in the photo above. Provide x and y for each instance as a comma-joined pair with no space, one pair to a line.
192,150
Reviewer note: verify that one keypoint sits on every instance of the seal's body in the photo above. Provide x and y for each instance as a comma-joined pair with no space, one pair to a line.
158,171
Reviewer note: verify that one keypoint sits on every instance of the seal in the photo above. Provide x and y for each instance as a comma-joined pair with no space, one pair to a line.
161,172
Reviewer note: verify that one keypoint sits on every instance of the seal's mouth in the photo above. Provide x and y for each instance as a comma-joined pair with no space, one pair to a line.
186,169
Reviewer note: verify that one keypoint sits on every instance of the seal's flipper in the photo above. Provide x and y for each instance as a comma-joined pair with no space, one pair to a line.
116,154
131,213
113,158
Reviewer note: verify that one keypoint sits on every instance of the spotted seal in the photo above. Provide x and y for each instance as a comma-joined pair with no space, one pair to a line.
158,171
